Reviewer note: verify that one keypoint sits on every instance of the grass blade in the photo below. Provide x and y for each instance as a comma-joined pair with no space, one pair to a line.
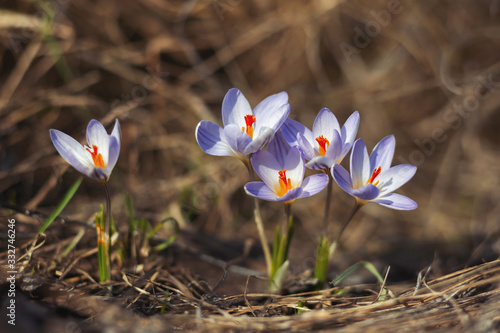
61,205
369,267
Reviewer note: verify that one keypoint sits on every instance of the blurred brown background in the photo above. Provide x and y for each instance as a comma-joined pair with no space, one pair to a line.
426,71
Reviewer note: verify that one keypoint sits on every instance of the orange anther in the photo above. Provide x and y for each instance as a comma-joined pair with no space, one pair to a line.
323,144
96,158
375,173
249,121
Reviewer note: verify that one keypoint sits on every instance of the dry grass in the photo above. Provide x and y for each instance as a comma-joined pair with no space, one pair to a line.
430,76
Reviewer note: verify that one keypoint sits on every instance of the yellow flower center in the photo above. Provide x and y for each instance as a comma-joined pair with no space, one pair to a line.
249,121
285,183
323,144
96,157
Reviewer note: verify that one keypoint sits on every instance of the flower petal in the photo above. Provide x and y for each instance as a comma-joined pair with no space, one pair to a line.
294,164
271,118
342,178
97,135
291,195
305,146
360,164
325,124
266,167
396,201
211,139
334,151
292,128
260,190
349,131
72,152
265,135
395,177
367,192
270,104
383,153
279,148
114,146
236,138
234,108
314,184
319,163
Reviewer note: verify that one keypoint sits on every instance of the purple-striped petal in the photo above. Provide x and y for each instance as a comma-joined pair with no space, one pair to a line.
314,184
360,164
395,177
234,108
349,131
292,128
396,201
305,146
210,138
383,153
114,146
367,192
319,163
279,148
291,195
342,178
260,190
72,152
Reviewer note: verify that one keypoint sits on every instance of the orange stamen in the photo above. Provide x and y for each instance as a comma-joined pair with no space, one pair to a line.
323,144
285,183
375,173
97,158
249,120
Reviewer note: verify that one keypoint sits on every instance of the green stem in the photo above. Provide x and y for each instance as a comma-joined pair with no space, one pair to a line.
260,225
328,202
107,232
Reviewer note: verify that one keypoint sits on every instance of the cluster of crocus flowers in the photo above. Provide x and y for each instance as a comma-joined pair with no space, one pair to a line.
291,147
96,160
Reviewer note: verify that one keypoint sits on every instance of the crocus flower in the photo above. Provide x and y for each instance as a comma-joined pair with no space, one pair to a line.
282,167
372,178
327,143
245,131
98,158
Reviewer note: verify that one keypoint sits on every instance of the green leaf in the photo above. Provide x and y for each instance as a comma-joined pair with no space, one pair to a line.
71,192
369,267
171,239
321,267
